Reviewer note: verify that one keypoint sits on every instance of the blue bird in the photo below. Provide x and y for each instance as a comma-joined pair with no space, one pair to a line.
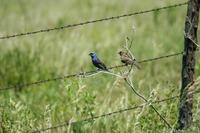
97,63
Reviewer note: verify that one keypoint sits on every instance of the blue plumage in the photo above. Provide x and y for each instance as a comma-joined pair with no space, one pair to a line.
97,63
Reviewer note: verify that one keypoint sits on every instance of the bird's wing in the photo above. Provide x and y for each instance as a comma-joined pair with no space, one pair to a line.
101,64
127,60
126,57
130,56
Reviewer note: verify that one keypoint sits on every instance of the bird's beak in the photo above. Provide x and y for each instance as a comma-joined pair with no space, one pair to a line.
90,54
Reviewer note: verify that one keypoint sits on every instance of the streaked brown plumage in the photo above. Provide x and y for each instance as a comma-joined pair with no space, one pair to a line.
127,59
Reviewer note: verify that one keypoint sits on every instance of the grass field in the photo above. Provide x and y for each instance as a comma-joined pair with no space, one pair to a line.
57,53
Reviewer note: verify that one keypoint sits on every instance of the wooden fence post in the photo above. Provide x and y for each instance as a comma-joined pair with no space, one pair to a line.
188,64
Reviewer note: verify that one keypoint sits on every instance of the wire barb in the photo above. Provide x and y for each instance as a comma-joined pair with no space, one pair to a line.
92,21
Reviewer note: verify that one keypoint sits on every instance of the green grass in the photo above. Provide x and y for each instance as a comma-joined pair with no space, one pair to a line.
46,55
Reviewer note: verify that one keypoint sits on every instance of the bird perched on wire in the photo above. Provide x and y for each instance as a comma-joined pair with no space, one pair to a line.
97,62
127,59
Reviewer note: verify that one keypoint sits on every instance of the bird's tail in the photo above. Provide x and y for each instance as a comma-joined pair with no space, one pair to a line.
107,70
136,64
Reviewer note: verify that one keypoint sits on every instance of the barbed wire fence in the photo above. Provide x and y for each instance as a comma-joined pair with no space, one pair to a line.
67,123
24,85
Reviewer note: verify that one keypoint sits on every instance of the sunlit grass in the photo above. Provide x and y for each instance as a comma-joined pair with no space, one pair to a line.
46,55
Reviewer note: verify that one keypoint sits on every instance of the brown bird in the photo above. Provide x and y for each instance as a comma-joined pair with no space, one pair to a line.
127,59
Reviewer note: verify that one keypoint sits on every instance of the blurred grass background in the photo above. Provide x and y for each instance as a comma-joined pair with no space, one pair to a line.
42,56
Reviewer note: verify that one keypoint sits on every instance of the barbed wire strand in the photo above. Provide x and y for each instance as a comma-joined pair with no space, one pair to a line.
92,21
108,114
82,73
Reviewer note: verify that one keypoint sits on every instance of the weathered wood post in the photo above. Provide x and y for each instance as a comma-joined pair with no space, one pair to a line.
188,64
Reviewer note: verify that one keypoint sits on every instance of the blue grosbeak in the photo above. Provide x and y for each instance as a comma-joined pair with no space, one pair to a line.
97,63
